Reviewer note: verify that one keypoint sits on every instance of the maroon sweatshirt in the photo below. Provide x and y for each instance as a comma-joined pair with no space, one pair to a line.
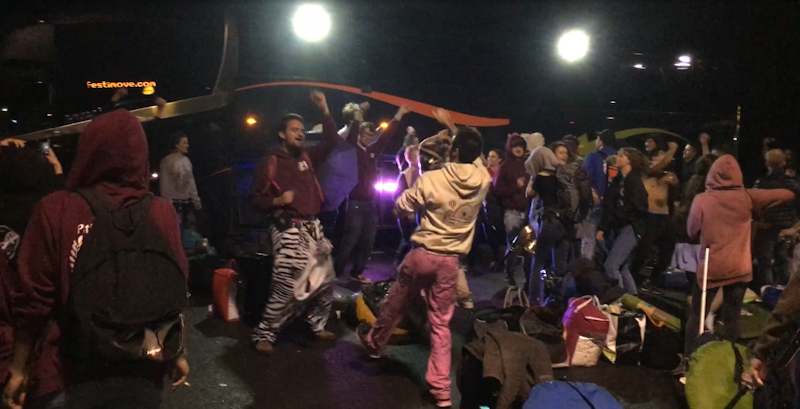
368,160
112,157
295,175
505,186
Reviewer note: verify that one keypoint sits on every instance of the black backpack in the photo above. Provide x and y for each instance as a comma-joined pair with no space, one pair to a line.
574,193
127,292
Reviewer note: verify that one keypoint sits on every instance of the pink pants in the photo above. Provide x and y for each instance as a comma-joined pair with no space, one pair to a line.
437,275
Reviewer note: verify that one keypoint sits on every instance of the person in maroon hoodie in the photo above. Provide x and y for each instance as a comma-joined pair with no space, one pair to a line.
361,220
286,188
113,159
509,187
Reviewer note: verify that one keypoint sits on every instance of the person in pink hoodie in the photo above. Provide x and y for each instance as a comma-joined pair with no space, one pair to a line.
721,217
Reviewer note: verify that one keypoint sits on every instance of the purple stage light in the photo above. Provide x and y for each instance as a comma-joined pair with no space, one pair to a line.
386,187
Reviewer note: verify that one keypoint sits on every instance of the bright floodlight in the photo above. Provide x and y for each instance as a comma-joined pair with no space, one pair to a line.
311,22
573,45
684,58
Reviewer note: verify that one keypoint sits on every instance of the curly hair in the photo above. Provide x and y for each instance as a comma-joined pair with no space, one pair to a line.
639,162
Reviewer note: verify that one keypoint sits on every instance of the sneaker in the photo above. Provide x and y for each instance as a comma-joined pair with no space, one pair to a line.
264,347
444,403
361,279
325,336
440,403
361,331
682,367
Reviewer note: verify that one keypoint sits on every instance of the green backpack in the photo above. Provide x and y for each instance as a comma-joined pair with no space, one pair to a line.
714,380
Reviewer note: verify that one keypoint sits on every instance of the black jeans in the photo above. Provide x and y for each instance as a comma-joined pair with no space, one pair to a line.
107,393
732,297
361,227
552,250
660,233
771,257
185,210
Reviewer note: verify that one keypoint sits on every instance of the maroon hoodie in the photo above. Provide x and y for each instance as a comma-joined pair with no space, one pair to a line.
505,186
112,157
293,174
368,157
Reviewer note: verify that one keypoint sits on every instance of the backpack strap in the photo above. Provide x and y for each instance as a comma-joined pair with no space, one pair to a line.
738,370
97,201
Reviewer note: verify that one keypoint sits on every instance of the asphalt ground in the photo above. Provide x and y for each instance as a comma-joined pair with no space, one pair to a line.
226,372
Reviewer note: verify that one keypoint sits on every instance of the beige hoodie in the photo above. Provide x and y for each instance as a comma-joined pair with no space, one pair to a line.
451,198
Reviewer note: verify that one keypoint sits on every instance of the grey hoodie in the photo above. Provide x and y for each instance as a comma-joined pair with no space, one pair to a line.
451,198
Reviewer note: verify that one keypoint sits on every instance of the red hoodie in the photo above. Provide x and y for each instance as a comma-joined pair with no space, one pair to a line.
295,175
505,186
112,157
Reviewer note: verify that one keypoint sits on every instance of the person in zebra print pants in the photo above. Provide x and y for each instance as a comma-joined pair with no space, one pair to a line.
287,191
292,252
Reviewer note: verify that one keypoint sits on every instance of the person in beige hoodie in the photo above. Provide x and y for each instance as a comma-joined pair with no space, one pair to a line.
450,199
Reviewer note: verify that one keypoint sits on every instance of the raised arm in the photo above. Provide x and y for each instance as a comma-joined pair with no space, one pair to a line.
330,136
380,145
662,164
704,142
443,116
769,197
412,199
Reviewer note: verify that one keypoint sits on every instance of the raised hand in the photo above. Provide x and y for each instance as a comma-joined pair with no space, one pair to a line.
443,116
319,100
402,112
12,142
364,106
704,138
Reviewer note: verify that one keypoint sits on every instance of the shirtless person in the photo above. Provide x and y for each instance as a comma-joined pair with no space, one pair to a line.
660,230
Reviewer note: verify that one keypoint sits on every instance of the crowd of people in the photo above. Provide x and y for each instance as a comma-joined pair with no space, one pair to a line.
76,333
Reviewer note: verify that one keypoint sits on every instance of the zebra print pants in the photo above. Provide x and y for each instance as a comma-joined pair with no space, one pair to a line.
291,252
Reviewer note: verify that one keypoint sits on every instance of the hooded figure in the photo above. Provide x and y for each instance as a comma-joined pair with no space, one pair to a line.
113,158
507,186
541,159
721,219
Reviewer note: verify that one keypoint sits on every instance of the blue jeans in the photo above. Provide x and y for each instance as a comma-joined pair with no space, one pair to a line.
617,265
361,227
589,242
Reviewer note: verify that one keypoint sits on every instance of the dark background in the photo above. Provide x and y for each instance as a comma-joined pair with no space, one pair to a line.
493,59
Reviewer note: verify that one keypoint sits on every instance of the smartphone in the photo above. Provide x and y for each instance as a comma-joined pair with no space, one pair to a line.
45,147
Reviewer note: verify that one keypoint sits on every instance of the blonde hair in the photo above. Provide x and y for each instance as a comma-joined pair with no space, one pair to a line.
775,159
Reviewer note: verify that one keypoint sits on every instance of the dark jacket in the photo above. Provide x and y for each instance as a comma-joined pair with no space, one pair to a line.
292,174
595,165
506,189
368,160
625,203
771,343
113,158
784,215
516,360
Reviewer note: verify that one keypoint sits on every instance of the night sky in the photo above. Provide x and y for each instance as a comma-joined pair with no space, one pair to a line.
493,59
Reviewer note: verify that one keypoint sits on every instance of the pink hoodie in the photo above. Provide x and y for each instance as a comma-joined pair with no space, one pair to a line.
721,217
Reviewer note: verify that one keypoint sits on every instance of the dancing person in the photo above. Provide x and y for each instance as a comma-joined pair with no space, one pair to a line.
286,188
772,260
691,155
407,223
721,218
176,181
410,139
361,224
449,199
509,187
595,166
28,175
625,208
554,238
112,162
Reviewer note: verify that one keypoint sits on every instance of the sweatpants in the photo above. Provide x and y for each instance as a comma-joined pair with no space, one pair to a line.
437,274
361,227
732,299
291,253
